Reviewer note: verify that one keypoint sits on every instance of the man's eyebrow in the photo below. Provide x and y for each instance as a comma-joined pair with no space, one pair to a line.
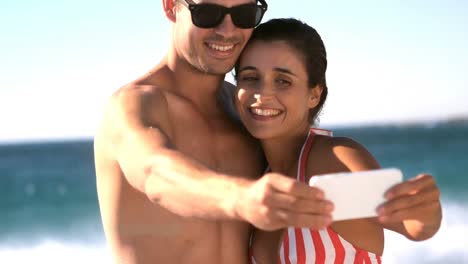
284,70
246,68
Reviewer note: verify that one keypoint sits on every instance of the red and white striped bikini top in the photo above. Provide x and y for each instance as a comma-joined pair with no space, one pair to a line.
307,246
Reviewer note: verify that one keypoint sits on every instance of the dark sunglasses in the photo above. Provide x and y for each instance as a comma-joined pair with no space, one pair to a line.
211,15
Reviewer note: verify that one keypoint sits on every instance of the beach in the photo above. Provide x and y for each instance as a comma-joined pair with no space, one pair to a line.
50,211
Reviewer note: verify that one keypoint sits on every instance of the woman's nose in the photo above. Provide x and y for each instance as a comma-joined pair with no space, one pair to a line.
263,95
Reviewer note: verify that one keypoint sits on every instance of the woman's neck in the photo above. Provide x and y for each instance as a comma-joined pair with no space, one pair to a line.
282,153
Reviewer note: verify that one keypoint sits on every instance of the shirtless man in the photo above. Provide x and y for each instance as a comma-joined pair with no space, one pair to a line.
175,176
177,179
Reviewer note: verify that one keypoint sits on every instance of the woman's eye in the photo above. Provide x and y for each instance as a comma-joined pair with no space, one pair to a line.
283,82
248,78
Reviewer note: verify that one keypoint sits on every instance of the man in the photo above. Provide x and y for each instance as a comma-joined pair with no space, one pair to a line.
174,173
176,177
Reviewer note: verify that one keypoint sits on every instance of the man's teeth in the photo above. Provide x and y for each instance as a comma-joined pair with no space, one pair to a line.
265,112
221,48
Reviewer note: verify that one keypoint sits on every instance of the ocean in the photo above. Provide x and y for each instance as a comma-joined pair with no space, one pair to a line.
50,214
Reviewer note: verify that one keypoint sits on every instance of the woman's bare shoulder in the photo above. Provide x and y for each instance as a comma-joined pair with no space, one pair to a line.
336,154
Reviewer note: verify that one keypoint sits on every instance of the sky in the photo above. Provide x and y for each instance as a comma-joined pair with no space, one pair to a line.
390,61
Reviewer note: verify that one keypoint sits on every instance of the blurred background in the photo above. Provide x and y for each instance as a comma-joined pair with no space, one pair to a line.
397,81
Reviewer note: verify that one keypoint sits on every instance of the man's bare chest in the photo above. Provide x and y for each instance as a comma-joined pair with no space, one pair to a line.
221,150
208,147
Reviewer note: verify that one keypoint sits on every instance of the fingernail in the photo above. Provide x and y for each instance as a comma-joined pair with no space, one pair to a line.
380,210
320,195
383,218
388,195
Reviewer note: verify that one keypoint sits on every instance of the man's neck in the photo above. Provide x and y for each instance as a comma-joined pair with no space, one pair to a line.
198,87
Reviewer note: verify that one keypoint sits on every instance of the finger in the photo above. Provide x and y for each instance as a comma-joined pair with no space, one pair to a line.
312,221
411,213
275,218
409,201
299,204
411,186
291,186
270,219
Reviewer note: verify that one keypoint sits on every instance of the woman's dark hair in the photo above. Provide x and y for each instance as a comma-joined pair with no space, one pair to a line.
305,40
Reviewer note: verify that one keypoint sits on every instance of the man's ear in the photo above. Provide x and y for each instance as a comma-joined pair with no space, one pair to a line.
169,9
314,96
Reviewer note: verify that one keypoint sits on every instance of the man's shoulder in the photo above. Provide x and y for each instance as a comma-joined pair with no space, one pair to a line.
228,90
135,90
226,96
136,96
134,103
130,108
146,88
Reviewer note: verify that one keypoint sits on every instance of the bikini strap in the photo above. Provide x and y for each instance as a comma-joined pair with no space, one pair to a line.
302,166
303,157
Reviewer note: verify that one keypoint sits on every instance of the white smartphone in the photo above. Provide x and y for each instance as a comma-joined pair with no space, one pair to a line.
356,194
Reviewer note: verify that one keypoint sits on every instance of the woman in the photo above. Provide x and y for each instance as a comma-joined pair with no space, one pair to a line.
281,89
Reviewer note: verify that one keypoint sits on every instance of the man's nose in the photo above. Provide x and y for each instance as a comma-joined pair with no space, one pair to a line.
227,27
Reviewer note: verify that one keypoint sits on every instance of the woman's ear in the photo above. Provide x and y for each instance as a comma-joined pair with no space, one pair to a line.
169,9
314,96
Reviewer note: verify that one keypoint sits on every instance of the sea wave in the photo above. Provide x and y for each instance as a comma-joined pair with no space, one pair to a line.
56,252
449,245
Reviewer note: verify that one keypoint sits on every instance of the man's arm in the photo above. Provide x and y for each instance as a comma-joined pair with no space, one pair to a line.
140,142
141,145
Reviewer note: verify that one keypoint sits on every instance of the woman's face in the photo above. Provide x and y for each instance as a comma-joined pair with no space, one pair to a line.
273,98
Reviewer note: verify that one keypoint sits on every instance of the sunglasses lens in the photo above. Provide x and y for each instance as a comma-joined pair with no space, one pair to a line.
207,15
246,16
211,15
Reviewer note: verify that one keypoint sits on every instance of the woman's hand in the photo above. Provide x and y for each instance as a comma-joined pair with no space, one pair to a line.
413,208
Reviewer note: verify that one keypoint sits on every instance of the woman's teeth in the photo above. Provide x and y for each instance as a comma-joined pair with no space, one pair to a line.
265,112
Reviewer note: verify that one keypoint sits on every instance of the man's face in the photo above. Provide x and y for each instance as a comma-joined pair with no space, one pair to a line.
210,50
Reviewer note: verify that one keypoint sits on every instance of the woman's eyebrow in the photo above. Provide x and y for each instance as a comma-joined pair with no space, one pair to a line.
278,69
284,70
246,68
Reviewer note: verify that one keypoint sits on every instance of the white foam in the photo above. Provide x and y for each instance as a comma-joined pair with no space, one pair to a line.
449,245
54,252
